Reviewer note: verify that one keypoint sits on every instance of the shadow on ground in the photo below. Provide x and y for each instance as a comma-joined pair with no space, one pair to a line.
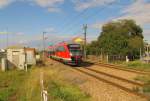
84,64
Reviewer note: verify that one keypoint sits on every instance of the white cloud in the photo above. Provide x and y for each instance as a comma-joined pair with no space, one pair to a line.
85,4
53,9
20,33
138,11
50,5
146,33
4,3
98,25
50,30
22,42
51,36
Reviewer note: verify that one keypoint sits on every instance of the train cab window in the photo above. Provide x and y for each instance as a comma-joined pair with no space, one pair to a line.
61,49
75,49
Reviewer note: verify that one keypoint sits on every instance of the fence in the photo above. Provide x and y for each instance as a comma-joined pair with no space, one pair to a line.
114,58
106,58
44,93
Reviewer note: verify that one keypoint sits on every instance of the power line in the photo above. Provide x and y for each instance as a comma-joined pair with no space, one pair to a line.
90,16
77,22
67,21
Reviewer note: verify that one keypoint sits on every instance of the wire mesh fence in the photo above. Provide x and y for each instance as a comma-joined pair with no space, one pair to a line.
106,58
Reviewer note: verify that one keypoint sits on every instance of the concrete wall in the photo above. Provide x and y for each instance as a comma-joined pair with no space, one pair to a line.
30,56
16,57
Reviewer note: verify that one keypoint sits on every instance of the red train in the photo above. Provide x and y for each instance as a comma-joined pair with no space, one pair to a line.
66,53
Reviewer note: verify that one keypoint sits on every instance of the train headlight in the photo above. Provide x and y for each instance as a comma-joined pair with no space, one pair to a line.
70,54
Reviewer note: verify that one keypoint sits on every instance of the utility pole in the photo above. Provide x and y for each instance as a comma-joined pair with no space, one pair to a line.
44,46
7,38
140,54
85,33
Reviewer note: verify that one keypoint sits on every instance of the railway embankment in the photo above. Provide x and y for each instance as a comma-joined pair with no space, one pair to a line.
98,86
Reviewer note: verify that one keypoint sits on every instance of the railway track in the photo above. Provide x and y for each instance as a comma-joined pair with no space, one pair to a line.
117,77
117,67
120,83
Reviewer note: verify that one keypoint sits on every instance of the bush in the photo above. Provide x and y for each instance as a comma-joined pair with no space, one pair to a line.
64,92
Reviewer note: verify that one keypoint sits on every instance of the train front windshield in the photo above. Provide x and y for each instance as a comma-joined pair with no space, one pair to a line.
75,52
75,49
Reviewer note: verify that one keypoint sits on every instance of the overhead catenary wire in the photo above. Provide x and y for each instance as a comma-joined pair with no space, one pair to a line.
76,22
68,21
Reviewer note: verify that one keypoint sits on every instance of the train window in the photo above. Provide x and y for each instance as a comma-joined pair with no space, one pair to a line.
56,49
61,49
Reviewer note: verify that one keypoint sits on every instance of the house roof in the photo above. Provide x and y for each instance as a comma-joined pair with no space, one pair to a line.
15,47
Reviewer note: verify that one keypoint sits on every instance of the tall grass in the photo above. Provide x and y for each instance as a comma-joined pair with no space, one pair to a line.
64,92
138,65
25,86
9,84
61,90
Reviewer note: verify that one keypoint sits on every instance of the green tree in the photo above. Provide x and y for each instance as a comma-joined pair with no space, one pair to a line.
120,37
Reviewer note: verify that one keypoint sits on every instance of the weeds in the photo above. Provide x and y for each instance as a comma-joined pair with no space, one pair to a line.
25,86
9,83
64,92
145,79
138,65
146,89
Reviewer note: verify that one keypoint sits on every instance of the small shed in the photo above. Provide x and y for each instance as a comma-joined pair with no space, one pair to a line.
30,56
19,57
16,57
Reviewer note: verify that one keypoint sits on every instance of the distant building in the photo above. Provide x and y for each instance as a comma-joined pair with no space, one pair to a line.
78,40
2,50
146,57
30,56
2,54
20,57
147,50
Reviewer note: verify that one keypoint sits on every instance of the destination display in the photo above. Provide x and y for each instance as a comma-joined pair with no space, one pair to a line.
74,46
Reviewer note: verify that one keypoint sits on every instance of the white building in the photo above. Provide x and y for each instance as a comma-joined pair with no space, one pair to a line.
146,57
19,57
147,50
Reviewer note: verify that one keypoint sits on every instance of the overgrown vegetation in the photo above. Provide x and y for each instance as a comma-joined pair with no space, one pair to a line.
122,37
146,80
138,65
146,89
25,86
64,92
9,84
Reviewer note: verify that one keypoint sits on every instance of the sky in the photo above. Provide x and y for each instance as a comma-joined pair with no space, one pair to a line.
62,20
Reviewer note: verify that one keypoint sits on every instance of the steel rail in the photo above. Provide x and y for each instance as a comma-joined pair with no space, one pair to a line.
113,84
121,68
110,82
117,77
